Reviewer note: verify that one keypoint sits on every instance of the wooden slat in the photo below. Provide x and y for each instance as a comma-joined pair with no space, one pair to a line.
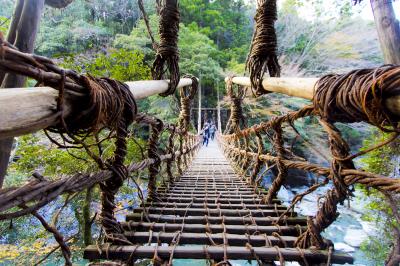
213,205
209,186
215,253
212,212
214,228
138,217
168,198
209,191
209,239
208,209
216,195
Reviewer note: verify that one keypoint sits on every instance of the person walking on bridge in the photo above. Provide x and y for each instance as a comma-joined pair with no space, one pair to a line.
206,133
212,131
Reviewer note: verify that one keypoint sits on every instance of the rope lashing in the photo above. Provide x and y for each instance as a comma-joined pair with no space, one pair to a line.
111,105
236,119
110,188
101,105
187,95
327,213
155,133
263,50
106,103
359,96
277,143
167,49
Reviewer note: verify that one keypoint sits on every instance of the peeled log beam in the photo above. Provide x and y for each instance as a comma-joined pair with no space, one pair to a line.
303,88
26,110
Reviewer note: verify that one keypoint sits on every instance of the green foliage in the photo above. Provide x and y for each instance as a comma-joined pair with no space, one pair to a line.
197,51
119,64
36,153
84,25
226,22
138,40
381,161
4,24
73,36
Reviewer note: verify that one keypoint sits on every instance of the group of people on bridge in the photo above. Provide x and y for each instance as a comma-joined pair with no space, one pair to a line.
208,131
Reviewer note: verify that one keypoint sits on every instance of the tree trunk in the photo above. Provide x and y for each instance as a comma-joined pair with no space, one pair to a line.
388,30
87,223
12,31
23,34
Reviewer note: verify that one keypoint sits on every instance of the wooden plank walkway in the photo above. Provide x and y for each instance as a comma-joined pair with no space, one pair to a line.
211,213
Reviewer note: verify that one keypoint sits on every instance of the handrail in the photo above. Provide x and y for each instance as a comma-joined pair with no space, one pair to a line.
303,88
26,110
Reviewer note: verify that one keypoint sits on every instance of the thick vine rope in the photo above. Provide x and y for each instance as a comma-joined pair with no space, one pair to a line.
236,120
167,56
262,57
360,95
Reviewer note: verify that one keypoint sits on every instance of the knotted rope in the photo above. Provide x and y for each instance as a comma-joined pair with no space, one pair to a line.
167,49
236,119
262,57
110,104
360,95
187,95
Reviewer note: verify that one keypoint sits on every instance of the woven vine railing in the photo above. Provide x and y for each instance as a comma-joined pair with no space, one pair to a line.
107,115
353,97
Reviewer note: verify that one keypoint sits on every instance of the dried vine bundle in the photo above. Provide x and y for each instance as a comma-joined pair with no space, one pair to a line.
236,119
187,95
104,104
263,51
359,95
167,56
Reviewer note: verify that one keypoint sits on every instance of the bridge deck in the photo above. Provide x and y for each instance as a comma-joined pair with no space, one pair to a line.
211,213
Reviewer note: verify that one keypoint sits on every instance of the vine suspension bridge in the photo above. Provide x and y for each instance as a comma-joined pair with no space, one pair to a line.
201,203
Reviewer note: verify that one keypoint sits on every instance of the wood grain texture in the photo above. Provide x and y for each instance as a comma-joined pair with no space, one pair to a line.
26,110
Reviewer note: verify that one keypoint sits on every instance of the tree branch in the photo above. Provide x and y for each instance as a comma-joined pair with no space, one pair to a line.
58,3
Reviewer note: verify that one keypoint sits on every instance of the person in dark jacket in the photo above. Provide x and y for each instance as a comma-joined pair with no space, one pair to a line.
206,133
213,129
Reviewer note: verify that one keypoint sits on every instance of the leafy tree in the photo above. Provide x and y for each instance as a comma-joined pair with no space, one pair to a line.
70,36
225,21
119,64
4,24
382,161
197,53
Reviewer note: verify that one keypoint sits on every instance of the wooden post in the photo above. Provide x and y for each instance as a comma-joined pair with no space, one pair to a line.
23,32
388,30
219,111
199,112
303,88
26,110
